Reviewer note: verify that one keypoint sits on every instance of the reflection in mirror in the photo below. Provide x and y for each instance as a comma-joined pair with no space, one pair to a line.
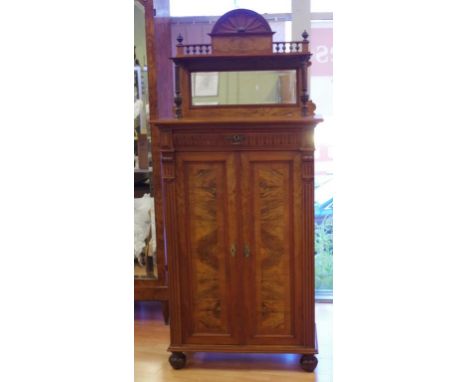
244,87
144,239
140,93
144,260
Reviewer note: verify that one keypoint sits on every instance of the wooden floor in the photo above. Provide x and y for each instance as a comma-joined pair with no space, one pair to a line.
151,357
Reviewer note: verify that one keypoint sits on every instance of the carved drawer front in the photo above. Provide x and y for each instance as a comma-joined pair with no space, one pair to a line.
238,140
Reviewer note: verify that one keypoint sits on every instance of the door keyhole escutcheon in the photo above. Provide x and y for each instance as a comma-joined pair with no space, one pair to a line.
233,250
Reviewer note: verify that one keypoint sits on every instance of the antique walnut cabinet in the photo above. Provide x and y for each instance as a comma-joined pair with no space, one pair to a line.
238,190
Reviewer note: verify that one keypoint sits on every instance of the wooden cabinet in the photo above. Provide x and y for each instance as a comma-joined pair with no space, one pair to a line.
238,185
239,242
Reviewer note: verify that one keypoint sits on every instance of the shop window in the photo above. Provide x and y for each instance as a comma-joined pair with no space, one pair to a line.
321,92
179,8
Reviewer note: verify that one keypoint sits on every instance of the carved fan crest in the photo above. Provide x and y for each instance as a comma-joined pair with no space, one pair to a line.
241,21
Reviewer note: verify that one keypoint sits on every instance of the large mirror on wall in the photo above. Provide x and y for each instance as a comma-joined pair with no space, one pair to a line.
244,87
140,70
144,214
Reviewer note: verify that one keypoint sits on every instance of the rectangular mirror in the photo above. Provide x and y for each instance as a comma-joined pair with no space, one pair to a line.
144,259
244,87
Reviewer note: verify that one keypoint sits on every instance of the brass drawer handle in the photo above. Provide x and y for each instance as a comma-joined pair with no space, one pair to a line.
246,251
235,139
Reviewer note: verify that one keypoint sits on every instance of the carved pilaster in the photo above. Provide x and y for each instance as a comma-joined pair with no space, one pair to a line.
167,158
308,166
167,155
308,141
170,218
308,243
165,139
173,259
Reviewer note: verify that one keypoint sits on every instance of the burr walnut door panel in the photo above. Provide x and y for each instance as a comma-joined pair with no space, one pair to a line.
271,205
207,236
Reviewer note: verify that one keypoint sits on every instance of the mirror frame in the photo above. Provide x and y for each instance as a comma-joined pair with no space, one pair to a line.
154,289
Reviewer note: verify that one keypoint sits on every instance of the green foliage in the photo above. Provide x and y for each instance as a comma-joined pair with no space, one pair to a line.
324,254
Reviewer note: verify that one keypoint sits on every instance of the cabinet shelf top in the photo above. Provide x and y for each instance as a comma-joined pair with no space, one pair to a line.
261,122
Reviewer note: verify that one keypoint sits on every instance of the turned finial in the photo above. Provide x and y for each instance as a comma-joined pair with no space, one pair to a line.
305,35
180,39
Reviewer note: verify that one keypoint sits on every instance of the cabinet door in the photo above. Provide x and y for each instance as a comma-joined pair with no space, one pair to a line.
207,233
272,246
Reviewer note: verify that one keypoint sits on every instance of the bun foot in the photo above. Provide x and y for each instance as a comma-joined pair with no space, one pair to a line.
177,360
309,362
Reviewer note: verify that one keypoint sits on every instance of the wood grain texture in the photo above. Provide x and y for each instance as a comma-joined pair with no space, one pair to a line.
151,356
165,83
241,31
272,214
260,140
241,45
271,185
204,184
206,199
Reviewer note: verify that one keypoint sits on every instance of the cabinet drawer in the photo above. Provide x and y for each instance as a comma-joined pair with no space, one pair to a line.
238,140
